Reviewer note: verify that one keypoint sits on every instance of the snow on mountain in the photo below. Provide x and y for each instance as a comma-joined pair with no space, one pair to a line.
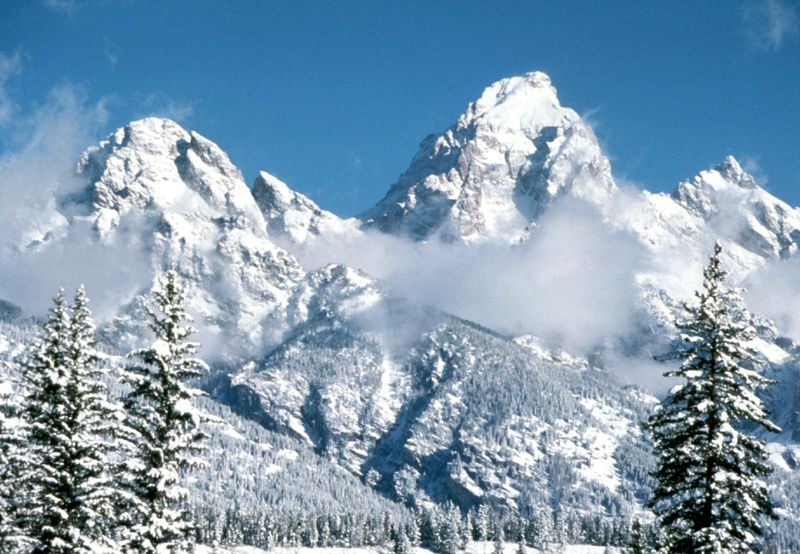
459,413
491,174
414,403
293,217
730,201
177,196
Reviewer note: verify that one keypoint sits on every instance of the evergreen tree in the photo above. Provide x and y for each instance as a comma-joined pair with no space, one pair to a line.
637,544
498,541
711,493
165,426
400,542
12,468
70,423
482,523
325,534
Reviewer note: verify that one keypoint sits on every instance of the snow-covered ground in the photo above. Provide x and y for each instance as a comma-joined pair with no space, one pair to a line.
472,548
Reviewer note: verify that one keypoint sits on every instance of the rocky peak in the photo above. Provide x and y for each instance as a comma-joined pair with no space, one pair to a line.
154,163
732,172
527,103
735,207
171,196
489,176
291,216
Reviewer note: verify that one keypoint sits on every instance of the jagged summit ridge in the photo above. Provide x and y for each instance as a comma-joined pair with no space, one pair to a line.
492,173
734,206
293,217
155,163
173,197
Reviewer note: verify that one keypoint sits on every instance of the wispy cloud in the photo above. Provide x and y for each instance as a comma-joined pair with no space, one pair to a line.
161,105
9,65
770,24
751,165
61,5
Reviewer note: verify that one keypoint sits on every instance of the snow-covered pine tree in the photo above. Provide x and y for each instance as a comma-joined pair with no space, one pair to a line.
325,534
498,542
70,424
12,469
637,544
400,542
165,427
482,523
711,493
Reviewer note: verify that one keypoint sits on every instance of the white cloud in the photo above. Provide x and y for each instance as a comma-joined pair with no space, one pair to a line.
750,164
774,292
160,105
769,24
9,66
572,282
33,177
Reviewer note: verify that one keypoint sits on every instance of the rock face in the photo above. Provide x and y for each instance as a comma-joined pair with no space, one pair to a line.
491,174
178,199
294,218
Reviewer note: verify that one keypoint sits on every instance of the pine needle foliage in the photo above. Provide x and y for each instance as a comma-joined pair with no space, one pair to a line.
711,495
69,421
165,426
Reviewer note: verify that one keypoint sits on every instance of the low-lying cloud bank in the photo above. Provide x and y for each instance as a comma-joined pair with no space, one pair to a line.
572,282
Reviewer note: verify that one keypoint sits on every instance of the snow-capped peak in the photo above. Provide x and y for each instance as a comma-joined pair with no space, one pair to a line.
155,162
527,102
512,152
171,196
732,172
734,206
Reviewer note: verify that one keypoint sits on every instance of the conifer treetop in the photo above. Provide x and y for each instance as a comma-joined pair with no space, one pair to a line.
711,494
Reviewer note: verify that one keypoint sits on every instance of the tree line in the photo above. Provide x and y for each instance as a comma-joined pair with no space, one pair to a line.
444,529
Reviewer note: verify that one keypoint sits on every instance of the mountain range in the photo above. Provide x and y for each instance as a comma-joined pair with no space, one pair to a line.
405,354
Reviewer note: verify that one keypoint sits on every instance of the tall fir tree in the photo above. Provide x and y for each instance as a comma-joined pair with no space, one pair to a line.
69,422
711,495
166,428
12,470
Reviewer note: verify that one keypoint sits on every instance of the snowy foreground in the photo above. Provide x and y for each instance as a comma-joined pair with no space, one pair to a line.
472,548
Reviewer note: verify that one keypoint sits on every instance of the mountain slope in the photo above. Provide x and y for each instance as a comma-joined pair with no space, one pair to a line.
294,219
459,413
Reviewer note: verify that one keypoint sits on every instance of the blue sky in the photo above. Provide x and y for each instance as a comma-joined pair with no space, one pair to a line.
334,97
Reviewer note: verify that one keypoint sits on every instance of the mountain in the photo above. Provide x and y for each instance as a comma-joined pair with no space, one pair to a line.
733,205
169,196
327,380
456,413
491,174
508,162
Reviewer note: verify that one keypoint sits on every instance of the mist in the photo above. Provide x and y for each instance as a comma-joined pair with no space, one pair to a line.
773,291
40,250
572,282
